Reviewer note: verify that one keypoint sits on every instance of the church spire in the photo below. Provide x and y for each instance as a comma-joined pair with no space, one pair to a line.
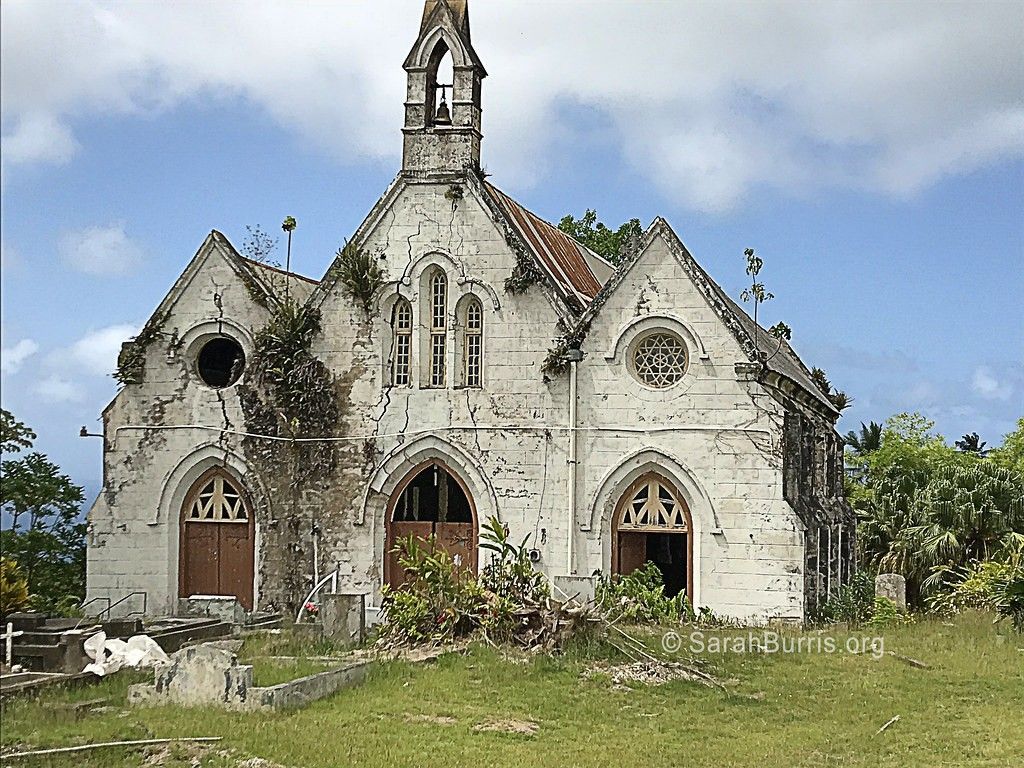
442,120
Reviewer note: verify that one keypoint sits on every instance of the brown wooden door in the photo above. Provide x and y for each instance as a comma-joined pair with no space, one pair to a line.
632,552
393,573
217,544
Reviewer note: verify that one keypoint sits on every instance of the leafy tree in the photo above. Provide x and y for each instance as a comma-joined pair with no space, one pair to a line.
927,509
972,443
868,439
611,244
1011,453
259,246
45,538
14,436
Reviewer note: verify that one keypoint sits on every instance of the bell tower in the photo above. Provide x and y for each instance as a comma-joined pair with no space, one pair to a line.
442,119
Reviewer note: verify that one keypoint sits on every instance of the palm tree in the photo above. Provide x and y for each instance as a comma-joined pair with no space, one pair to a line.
869,439
972,443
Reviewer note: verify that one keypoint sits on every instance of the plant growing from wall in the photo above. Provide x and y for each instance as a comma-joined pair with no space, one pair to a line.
524,274
360,274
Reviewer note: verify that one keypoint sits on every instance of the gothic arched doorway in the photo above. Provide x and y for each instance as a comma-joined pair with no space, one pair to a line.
652,524
217,540
431,501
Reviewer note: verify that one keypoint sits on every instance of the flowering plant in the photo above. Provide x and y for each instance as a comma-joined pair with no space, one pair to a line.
312,609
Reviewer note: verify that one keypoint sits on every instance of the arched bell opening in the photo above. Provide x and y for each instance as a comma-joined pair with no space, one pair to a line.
433,504
440,85
652,524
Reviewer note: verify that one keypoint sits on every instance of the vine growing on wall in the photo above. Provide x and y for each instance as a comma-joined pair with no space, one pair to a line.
289,392
131,362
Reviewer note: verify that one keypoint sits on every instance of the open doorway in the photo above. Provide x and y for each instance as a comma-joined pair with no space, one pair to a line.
652,525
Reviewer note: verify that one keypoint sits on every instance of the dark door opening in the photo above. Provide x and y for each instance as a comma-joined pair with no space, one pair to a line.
668,552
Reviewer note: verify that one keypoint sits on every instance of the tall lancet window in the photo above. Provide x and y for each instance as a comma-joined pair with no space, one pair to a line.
401,352
438,327
474,342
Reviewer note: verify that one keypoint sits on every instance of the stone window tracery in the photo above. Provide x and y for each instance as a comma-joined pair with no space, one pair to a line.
659,359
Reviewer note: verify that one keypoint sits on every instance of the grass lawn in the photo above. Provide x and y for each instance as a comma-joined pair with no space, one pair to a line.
806,709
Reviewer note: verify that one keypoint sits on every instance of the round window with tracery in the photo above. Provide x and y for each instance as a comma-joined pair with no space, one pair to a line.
659,359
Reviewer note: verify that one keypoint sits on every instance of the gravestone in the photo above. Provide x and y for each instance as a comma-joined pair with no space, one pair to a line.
892,586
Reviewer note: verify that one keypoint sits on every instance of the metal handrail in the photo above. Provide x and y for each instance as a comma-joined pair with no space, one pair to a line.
145,598
93,600
330,577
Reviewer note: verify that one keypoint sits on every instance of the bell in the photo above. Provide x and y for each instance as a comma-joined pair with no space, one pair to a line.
443,116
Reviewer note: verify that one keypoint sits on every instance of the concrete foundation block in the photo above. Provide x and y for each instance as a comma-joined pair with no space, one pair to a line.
344,617
214,606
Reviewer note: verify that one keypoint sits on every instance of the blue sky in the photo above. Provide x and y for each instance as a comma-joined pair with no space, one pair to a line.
879,173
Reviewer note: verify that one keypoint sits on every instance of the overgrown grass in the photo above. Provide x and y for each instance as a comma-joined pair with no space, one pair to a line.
807,709
278,658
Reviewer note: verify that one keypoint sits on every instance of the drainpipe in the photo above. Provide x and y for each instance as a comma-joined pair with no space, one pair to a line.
574,356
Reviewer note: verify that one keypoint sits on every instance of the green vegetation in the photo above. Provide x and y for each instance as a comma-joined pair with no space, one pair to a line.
46,538
929,511
640,597
614,245
804,709
439,602
359,272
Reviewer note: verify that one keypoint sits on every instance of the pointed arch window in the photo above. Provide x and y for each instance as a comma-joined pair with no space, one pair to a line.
438,327
402,349
218,500
474,343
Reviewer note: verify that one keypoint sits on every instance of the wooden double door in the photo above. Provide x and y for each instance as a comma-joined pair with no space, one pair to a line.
433,505
217,540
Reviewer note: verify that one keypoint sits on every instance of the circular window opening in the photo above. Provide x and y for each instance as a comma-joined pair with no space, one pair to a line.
659,359
221,362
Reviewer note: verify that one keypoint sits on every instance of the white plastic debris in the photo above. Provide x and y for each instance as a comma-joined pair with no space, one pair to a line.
109,655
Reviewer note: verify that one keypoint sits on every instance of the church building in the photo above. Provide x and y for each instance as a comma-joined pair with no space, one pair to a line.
462,359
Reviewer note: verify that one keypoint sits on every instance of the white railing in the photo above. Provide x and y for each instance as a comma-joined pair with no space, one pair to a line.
330,577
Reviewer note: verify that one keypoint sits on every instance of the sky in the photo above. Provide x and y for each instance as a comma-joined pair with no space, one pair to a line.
872,154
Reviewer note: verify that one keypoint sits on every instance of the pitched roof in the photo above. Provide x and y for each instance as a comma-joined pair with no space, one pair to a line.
572,265
785,362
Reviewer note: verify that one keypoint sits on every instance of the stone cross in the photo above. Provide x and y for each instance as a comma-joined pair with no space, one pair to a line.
8,637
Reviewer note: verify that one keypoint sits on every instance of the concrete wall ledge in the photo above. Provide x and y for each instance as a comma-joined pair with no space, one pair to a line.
206,675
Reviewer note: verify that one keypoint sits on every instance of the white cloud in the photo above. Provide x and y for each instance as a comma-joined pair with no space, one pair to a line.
709,100
100,250
11,358
58,389
97,351
986,385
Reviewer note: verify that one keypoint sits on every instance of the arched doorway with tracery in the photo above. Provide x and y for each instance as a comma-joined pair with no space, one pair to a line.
652,524
217,539
431,503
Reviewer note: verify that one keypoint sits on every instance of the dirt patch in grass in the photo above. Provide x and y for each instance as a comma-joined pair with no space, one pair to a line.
435,719
649,673
522,727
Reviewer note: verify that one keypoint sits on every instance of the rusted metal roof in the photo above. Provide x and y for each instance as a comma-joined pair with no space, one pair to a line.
564,259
